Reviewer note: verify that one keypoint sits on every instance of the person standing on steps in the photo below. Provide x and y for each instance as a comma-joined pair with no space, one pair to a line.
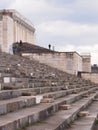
20,42
49,46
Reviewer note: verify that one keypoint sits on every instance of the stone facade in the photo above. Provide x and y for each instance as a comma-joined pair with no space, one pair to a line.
86,62
70,62
14,27
93,77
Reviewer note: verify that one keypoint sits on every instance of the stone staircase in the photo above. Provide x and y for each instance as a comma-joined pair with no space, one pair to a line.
34,96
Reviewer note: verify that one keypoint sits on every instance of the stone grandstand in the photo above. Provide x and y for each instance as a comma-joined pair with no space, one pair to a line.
35,96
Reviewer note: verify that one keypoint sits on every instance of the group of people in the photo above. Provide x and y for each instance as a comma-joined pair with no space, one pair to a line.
16,46
50,47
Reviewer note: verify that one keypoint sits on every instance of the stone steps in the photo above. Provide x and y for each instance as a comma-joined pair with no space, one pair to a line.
69,92
15,104
62,118
86,122
7,94
39,81
19,119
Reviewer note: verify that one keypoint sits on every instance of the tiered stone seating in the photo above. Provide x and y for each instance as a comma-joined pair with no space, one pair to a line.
37,97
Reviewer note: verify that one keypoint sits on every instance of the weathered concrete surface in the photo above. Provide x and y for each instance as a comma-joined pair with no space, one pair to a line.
87,122
61,119
14,104
34,114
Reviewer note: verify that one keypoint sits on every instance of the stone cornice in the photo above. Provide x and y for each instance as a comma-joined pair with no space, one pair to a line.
22,22
18,18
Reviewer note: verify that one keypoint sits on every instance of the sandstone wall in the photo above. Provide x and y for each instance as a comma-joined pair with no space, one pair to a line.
86,63
90,76
69,62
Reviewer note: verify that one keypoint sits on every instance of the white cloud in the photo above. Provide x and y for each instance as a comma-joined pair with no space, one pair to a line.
38,10
69,26
88,5
70,30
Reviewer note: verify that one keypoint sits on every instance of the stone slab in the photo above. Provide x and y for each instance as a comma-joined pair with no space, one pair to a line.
47,100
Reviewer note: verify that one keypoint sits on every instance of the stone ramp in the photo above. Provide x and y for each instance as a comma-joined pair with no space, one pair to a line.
21,118
61,119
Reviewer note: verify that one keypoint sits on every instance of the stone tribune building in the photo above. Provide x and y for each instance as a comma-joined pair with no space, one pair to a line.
14,27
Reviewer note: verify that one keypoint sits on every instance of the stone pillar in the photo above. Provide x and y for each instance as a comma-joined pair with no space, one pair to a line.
1,34
86,63
14,27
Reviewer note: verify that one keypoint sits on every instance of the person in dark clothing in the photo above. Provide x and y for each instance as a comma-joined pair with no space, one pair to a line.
49,46
20,42
15,47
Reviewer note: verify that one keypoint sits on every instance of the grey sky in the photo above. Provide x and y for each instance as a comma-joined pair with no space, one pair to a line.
69,25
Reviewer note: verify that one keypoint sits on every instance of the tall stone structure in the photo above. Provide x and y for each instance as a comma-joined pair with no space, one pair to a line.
70,62
86,62
14,27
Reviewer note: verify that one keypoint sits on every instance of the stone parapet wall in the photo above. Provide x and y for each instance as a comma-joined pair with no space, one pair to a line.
93,77
70,62
86,63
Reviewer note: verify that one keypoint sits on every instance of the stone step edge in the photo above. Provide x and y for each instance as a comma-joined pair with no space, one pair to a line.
12,106
73,116
7,94
64,92
20,122
69,118
4,94
16,104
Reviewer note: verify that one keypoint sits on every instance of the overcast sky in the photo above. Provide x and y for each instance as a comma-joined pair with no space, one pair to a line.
68,25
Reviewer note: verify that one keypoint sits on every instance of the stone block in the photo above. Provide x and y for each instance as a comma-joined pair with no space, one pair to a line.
65,107
26,94
65,88
75,92
23,122
21,104
3,109
47,100
95,99
6,79
13,79
85,95
38,98
84,113
48,96
12,107
54,84
0,86
31,101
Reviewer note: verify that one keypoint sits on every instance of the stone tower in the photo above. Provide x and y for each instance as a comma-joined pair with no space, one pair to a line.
86,62
14,27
